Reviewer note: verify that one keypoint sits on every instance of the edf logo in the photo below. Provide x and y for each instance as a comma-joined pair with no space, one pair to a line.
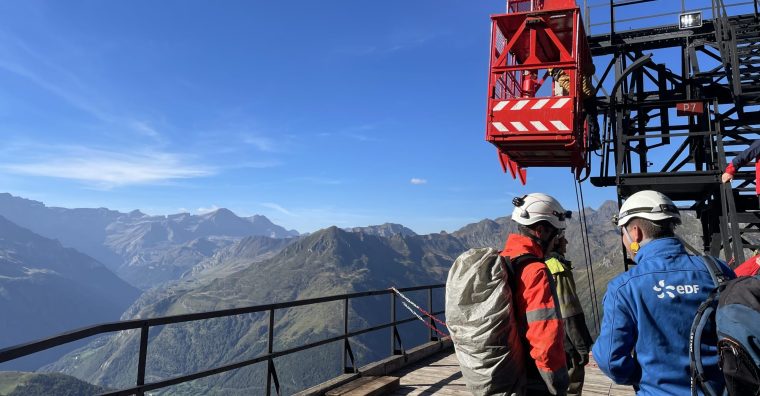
668,290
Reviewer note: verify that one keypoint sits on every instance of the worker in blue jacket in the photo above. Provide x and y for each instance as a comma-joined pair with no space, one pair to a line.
649,310
751,153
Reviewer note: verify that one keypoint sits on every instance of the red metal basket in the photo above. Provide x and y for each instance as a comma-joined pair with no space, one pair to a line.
532,124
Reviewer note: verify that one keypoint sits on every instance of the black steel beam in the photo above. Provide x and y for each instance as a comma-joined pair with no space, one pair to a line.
648,39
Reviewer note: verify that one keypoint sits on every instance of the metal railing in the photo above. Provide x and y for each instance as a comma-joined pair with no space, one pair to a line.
685,7
144,325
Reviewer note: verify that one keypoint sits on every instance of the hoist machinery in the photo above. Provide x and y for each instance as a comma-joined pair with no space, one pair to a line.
539,90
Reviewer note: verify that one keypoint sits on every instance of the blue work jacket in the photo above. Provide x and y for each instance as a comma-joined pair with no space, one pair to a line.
648,312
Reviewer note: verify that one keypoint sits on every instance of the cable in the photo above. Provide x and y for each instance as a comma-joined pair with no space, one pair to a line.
588,273
587,257
590,265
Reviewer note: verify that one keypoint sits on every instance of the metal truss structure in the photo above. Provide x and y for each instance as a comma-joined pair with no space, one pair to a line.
674,129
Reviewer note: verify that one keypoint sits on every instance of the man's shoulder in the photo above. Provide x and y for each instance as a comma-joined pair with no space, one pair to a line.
555,265
621,281
533,268
680,263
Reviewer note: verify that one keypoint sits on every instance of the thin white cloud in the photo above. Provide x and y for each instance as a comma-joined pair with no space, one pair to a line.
255,164
418,181
361,137
367,50
395,42
277,207
103,168
362,133
318,180
262,143
212,208
144,128
16,57
72,98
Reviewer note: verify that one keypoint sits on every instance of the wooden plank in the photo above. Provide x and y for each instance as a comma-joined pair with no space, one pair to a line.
342,390
440,375
437,372
431,391
376,387
596,383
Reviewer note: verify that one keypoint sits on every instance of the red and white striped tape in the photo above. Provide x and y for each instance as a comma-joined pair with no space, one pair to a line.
421,310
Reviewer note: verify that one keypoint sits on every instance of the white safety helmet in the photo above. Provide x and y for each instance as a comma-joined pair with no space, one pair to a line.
535,207
650,205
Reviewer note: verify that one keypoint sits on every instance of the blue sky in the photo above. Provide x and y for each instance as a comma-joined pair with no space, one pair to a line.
313,114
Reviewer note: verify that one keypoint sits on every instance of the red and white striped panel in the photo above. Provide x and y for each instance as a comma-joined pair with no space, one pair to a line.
533,115
533,104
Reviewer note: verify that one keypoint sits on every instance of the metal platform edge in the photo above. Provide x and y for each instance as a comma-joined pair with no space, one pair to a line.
382,367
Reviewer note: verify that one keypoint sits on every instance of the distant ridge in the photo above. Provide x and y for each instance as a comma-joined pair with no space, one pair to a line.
384,230
46,288
32,384
144,250
327,262
259,270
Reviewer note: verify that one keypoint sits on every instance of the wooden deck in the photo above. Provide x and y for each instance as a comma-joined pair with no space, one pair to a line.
440,375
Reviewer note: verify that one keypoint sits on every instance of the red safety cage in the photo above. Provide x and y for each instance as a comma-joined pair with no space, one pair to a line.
538,60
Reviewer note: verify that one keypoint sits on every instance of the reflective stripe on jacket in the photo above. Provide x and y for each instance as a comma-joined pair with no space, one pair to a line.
537,312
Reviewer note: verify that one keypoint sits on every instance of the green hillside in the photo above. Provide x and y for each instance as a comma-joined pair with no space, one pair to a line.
14,383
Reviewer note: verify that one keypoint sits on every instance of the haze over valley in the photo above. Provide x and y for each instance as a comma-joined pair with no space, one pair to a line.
167,265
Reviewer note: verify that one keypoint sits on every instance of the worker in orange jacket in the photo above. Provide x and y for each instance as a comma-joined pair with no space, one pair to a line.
541,222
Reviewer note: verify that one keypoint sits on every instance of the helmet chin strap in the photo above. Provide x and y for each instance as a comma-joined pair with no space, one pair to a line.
544,243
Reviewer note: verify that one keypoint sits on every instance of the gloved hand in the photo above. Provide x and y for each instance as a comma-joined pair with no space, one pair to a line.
556,382
584,359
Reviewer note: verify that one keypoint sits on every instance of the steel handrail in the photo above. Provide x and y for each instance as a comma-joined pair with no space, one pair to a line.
663,14
25,349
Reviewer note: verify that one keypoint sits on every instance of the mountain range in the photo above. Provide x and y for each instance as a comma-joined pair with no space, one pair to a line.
47,289
144,250
327,262
14,383
47,286
228,271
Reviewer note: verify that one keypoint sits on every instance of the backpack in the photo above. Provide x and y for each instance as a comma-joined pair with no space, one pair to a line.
738,323
481,320
733,308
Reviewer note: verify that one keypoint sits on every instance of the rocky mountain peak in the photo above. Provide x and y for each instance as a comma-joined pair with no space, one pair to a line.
274,231
220,215
136,214
608,209
384,230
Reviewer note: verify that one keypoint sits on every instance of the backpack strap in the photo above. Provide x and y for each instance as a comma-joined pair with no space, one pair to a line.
511,267
717,275
705,313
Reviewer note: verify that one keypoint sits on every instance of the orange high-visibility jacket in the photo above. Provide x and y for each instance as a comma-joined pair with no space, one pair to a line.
536,311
